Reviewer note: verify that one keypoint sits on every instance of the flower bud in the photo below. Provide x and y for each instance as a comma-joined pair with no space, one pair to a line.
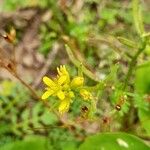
77,82
86,95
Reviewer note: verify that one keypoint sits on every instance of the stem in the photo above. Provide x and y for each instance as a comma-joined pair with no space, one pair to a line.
14,54
29,87
133,63
34,94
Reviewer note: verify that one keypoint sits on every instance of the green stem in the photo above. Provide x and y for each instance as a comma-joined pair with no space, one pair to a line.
34,94
133,64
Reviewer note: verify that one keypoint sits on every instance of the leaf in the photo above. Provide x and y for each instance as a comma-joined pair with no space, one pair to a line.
113,141
30,143
49,118
4,128
145,119
142,87
7,88
142,80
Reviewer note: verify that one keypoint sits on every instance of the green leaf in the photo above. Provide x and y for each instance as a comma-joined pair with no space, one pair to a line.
49,118
30,143
142,80
142,87
113,141
145,119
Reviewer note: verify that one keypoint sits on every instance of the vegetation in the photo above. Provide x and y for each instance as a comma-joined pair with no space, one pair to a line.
93,57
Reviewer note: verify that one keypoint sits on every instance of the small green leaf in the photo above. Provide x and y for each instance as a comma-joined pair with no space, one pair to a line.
113,141
30,143
49,118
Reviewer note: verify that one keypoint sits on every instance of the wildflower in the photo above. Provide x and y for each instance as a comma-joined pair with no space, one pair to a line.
63,88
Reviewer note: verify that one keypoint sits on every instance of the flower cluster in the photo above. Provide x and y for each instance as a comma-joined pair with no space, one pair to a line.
64,88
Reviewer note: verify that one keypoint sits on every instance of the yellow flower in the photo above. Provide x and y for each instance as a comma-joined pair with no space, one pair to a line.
86,95
63,88
53,89
77,82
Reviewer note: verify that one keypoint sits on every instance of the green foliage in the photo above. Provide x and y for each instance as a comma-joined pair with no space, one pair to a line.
113,141
94,19
66,139
15,102
29,143
47,37
25,121
109,15
142,86
10,5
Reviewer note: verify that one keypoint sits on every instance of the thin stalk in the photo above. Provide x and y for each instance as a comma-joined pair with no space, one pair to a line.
133,64
29,87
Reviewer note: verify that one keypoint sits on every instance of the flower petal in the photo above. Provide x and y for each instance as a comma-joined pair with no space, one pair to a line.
48,81
62,71
59,72
61,95
47,94
64,106
62,79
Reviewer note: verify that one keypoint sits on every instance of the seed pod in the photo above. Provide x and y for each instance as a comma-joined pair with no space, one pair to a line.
84,112
118,107
11,36
84,109
120,102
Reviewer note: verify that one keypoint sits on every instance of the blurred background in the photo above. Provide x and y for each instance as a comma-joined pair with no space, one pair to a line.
90,28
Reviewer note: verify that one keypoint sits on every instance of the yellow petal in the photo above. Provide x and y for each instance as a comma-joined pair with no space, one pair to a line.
77,81
48,81
62,71
61,95
59,72
47,94
64,106
62,79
